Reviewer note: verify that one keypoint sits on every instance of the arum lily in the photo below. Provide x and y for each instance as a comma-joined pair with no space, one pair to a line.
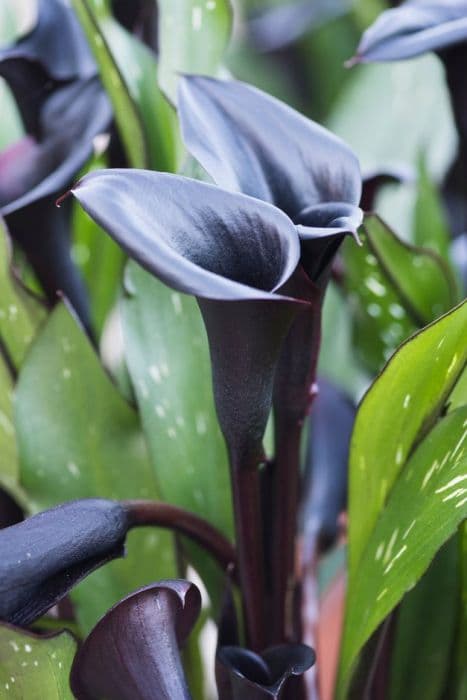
415,28
44,556
243,675
234,253
250,142
145,629
64,108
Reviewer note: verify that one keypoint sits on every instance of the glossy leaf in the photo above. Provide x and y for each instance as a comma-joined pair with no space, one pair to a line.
83,441
33,666
240,673
424,508
413,29
9,463
425,631
394,485
421,376
129,72
133,650
20,313
263,148
44,556
193,37
168,359
395,288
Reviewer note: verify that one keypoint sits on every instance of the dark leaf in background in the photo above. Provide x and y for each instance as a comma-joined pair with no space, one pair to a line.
412,29
220,247
325,488
243,675
43,557
133,651
278,27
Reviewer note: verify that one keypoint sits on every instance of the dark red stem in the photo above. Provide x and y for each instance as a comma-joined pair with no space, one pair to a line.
246,491
181,521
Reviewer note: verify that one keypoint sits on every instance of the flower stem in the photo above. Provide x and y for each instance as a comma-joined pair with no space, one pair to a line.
246,493
179,520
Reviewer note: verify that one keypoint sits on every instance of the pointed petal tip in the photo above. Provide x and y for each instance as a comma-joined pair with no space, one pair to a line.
61,199
353,61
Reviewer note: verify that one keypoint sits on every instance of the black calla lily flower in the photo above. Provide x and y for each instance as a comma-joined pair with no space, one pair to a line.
146,630
54,80
234,253
243,675
261,147
45,556
415,28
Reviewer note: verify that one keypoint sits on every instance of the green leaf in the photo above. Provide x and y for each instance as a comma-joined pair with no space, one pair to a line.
409,103
99,258
129,74
426,625
193,35
78,438
9,463
168,359
337,359
461,666
20,313
401,508
425,507
395,288
33,667
430,224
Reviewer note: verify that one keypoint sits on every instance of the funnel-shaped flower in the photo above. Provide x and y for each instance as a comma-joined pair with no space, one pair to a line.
230,251
133,651
244,675
43,557
233,253
63,106
250,142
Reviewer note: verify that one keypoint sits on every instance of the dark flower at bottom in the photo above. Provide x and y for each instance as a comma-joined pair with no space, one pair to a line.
133,651
243,675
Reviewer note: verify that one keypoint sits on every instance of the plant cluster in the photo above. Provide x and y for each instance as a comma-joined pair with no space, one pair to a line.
198,285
